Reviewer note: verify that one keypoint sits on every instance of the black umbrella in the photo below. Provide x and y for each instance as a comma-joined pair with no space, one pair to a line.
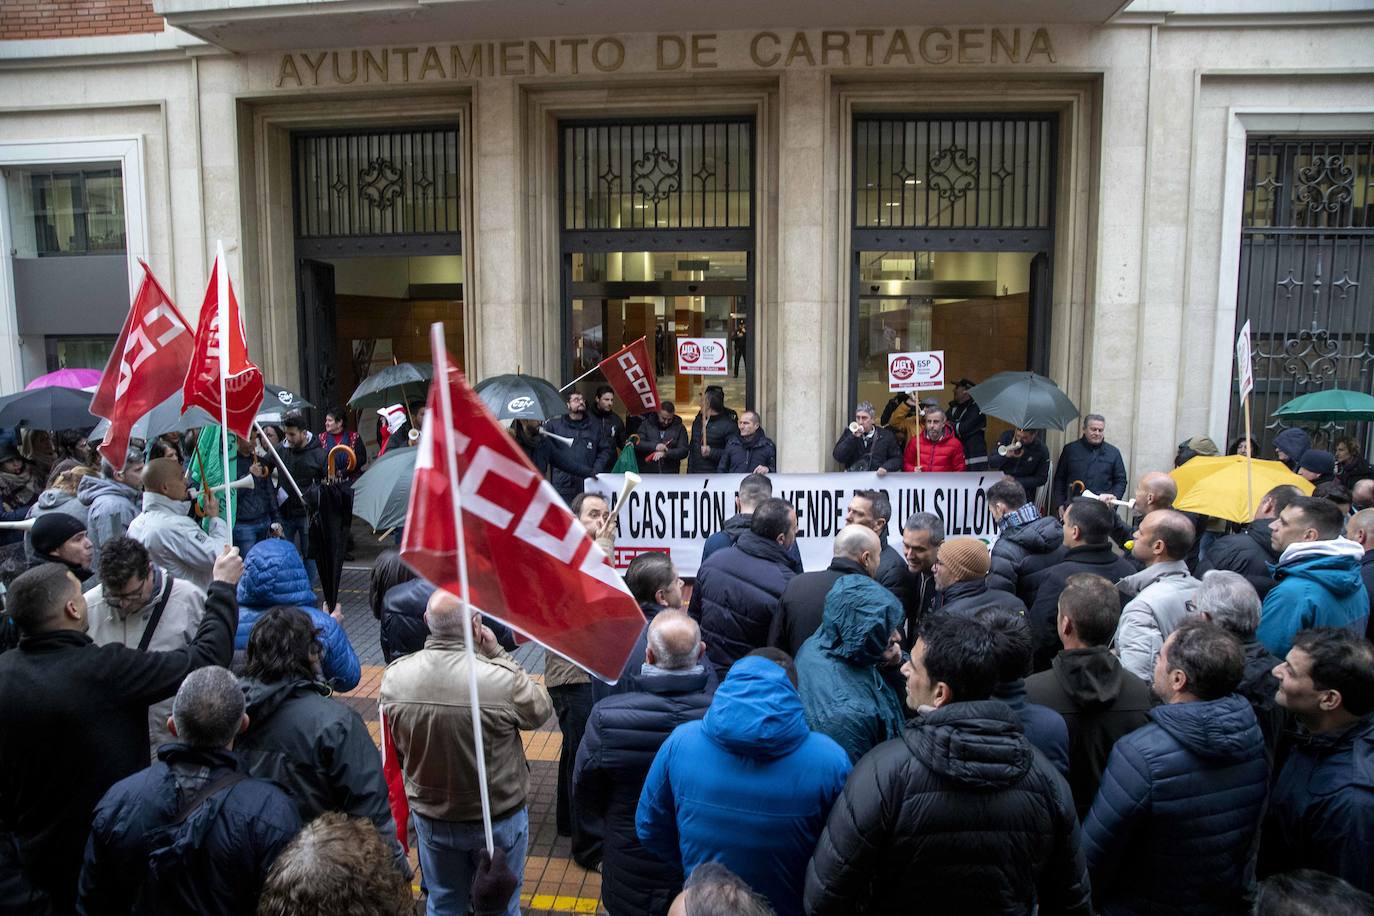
1025,400
400,383
521,397
275,397
48,408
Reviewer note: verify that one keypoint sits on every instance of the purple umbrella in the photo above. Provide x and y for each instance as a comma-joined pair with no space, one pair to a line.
67,378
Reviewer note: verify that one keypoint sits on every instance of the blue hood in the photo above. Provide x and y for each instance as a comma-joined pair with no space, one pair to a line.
1339,575
1223,729
756,711
1293,443
859,616
274,574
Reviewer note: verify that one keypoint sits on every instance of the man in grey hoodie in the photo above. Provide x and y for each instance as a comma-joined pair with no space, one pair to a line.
112,501
1158,595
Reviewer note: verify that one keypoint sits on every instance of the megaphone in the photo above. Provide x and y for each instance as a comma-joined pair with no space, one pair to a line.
243,483
1013,449
24,524
564,439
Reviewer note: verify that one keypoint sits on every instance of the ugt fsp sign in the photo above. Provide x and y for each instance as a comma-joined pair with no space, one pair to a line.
701,356
916,371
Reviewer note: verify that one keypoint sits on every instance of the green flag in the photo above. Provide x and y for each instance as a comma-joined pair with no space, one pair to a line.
626,461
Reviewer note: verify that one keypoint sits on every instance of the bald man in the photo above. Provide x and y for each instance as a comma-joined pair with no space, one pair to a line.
1360,529
857,552
424,701
1362,495
623,735
175,540
1156,598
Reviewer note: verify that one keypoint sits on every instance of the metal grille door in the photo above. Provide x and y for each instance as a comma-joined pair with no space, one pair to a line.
1307,275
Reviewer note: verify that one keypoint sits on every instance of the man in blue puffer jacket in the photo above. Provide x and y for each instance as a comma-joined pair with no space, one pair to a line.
1317,578
739,590
273,575
1173,827
842,690
749,786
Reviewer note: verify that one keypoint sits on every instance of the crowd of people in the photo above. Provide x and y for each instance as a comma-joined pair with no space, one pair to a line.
1099,714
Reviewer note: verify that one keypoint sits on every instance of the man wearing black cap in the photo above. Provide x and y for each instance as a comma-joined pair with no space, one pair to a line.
969,425
61,538
1317,466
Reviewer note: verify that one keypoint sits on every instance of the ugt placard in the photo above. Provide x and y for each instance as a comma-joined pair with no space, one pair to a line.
701,356
916,371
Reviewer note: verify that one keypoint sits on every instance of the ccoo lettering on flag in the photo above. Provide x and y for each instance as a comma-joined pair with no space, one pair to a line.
630,373
530,562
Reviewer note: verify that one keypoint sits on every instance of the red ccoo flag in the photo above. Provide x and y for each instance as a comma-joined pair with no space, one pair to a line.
146,367
243,381
630,373
530,563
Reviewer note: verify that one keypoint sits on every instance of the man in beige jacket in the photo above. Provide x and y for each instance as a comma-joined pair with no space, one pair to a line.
424,701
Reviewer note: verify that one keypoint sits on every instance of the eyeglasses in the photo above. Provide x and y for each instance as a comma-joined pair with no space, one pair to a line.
129,598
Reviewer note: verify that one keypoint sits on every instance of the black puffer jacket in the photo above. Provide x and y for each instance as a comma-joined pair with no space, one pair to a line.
318,750
623,735
879,450
737,594
1247,552
720,429
964,599
1024,551
743,454
651,433
590,448
959,813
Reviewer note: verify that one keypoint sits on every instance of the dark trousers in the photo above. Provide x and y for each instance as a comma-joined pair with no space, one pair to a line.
573,704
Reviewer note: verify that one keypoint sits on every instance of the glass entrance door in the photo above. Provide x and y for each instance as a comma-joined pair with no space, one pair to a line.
618,297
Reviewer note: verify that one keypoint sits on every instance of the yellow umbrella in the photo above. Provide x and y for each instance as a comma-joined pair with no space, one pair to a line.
1217,486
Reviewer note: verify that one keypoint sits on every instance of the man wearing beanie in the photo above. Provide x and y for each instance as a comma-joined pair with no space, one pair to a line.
961,575
61,538
1317,466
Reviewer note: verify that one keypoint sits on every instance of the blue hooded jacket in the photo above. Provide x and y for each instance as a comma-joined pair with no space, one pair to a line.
749,786
1317,584
841,689
273,574
1293,442
1173,826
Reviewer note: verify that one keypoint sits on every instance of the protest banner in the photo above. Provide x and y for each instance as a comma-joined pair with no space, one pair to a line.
675,514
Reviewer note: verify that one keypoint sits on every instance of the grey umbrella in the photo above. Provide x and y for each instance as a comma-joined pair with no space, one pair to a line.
400,383
1025,400
164,418
382,493
521,397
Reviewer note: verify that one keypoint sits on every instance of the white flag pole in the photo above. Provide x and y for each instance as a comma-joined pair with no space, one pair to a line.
222,294
436,340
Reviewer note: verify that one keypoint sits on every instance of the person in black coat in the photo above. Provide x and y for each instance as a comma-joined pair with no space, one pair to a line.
1098,699
74,719
662,441
1027,460
751,451
590,448
969,425
192,833
654,581
1026,542
623,735
961,575
613,432
803,601
864,446
317,748
739,589
1092,461
549,456
1250,552
958,813
1087,527
873,510
712,429
1043,727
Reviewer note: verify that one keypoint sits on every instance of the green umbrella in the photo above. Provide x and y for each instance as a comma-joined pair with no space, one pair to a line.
382,493
1333,404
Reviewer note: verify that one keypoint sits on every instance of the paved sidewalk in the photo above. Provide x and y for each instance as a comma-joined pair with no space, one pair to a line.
554,883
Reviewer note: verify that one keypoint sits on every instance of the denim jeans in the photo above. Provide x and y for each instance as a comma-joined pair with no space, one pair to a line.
450,851
296,529
247,534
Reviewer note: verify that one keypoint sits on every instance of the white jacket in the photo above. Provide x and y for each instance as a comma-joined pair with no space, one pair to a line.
175,630
1162,592
176,542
